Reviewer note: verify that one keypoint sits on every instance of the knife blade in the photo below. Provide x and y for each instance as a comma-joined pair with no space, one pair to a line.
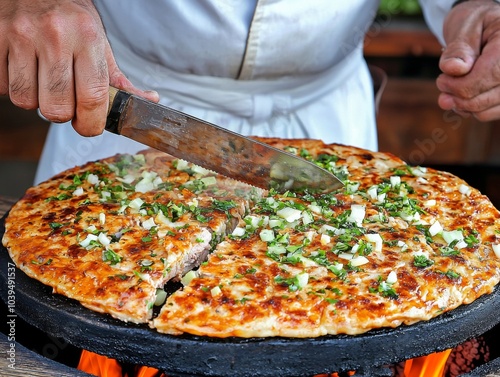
213,147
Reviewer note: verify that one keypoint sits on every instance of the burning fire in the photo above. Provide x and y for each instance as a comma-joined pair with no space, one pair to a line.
102,366
432,365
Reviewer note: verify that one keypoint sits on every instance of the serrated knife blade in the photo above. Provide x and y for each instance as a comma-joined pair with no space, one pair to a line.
213,147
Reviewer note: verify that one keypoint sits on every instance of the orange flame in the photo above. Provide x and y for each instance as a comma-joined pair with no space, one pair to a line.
101,366
431,365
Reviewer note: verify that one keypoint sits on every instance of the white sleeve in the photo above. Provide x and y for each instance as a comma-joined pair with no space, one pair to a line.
434,12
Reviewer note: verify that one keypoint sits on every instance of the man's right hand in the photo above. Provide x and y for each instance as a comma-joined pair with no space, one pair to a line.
55,56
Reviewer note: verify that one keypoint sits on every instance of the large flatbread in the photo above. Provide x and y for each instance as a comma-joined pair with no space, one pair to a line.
398,244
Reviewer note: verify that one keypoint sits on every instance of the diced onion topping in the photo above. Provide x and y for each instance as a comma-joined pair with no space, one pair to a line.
93,179
186,279
430,203
86,242
325,239
359,261
215,291
78,192
266,235
392,278
376,239
238,232
464,189
302,279
346,256
136,203
161,296
148,224
289,214
357,214
496,249
103,239
435,228
395,180
453,235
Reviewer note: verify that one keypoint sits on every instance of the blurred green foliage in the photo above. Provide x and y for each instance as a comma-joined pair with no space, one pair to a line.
400,7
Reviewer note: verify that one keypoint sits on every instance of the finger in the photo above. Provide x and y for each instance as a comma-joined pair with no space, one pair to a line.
91,89
481,103
22,73
56,91
488,115
462,33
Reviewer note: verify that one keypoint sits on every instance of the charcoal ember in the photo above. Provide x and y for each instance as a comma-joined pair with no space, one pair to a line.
467,356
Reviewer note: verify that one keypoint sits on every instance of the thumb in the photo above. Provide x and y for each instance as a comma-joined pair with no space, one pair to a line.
458,58
462,31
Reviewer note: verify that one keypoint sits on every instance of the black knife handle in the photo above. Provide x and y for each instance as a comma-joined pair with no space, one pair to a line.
117,102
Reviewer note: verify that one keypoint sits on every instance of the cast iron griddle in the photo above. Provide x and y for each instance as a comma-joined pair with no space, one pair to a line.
203,356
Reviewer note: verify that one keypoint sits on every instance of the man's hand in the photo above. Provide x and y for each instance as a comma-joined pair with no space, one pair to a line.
470,82
54,55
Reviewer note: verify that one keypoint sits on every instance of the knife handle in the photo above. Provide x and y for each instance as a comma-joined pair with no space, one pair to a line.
118,100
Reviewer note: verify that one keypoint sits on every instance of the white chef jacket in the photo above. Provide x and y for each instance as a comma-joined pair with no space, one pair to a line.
280,68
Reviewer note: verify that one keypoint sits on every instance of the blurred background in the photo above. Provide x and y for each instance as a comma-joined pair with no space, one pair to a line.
410,123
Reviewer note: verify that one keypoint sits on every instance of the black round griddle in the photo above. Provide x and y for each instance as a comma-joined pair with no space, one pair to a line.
202,356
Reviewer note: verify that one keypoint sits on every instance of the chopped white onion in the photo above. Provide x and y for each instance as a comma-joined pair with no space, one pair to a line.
347,256
93,179
496,249
302,279
215,291
419,171
136,203
402,245
266,235
186,279
102,218
310,235
149,223
307,218
430,203
464,189
103,239
372,192
435,228
128,179
78,192
359,261
86,242
325,239
161,297
357,214
395,180
314,208
275,223
289,214
182,165
376,239
238,232
392,278
209,181
327,229
91,228
453,235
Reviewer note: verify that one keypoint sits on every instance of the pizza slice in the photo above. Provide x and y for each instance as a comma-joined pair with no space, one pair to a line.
110,234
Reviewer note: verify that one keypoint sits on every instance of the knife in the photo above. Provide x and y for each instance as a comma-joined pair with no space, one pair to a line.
213,147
